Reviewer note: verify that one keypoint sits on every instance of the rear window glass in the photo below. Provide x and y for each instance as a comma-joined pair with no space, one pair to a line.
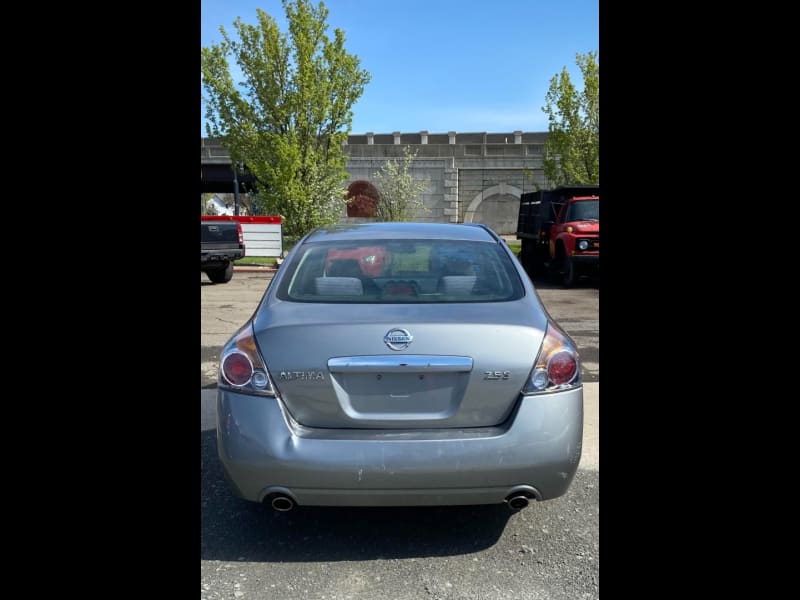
219,232
392,271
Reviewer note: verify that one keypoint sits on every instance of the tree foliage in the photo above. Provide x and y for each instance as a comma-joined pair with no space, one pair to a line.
572,149
400,194
289,117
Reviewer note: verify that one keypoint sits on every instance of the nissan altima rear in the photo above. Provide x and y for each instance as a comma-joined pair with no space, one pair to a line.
400,364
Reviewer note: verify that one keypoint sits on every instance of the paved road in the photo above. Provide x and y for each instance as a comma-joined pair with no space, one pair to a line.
547,551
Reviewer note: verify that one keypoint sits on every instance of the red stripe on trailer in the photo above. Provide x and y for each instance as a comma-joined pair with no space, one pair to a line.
243,219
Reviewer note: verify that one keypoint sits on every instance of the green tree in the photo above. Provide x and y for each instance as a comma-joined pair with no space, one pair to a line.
400,194
289,117
572,149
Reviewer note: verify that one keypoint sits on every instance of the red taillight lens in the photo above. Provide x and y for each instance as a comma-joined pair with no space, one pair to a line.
557,366
239,231
561,368
241,366
237,369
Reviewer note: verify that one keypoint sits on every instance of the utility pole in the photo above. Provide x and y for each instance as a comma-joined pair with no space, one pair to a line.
235,190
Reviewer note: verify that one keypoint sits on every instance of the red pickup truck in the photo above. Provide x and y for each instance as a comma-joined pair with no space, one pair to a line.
560,232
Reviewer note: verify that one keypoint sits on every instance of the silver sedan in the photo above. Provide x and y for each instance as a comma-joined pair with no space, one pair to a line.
400,364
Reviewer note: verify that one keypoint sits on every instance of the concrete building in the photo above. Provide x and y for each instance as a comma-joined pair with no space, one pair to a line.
472,177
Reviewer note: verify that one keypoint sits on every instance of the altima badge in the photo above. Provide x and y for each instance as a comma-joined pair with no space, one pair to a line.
398,339
304,375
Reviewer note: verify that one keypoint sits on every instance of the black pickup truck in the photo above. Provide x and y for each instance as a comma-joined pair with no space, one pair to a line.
220,244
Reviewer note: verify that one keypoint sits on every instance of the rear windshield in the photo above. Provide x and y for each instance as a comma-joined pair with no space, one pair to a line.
392,271
219,232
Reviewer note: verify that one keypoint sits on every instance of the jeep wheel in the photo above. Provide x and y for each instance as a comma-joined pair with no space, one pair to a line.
221,275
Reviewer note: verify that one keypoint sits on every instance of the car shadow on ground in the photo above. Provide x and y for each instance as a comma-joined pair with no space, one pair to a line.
236,530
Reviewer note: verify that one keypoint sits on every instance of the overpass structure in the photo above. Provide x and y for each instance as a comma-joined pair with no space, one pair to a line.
471,177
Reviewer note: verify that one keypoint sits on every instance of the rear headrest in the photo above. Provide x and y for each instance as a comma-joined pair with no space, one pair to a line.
457,284
339,286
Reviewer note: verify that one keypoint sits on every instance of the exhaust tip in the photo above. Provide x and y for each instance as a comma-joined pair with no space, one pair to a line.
518,502
282,503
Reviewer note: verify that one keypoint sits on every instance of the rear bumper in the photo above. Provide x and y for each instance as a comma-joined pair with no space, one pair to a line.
263,452
219,258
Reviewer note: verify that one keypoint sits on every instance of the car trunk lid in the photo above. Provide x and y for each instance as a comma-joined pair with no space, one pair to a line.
400,367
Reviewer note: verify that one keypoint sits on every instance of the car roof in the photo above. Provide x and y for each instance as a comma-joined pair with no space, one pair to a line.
403,231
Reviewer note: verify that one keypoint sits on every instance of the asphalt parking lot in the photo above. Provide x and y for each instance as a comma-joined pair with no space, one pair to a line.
549,550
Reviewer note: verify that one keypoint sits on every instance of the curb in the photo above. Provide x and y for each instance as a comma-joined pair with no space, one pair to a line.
253,269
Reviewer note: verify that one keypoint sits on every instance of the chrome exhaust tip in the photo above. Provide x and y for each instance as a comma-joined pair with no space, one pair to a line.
518,502
282,503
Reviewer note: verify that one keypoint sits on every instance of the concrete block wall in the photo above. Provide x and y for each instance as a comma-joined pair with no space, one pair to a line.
429,170
460,196
473,177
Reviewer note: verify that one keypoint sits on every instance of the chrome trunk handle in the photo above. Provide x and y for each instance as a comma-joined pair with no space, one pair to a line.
409,363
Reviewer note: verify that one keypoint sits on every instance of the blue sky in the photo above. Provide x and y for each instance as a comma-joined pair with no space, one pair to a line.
445,65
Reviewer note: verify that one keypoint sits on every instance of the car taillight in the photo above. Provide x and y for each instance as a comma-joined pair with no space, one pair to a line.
241,239
241,367
561,368
237,369
558,365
